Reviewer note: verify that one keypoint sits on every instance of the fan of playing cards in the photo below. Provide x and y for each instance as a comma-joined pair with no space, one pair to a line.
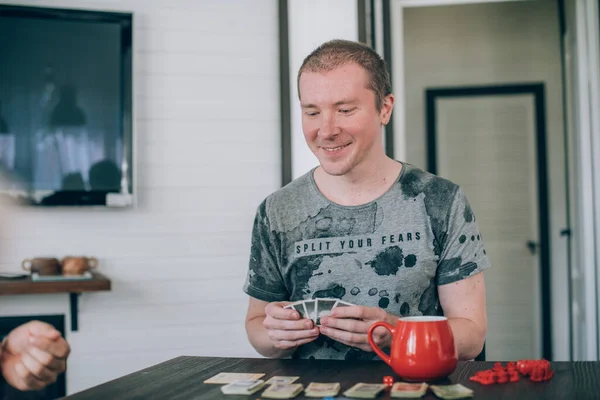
317,308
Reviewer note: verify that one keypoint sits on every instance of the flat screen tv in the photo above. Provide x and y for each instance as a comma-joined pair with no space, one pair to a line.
66,112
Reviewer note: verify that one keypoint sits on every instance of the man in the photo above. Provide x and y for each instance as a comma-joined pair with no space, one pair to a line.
362,227
32,356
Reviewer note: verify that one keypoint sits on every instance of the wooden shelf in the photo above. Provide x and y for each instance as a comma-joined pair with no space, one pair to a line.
26,286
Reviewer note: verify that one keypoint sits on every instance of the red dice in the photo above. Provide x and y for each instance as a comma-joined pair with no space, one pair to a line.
388,381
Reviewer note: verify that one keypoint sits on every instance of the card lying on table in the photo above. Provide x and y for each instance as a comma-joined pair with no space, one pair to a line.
243,387
364,390
457,391
408,390
282,380
230,377
283,391
322,389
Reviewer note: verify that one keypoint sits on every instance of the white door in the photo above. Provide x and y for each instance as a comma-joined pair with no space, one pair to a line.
487,145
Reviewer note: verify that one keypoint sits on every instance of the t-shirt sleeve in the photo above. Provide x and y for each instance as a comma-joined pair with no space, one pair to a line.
463,253
264,280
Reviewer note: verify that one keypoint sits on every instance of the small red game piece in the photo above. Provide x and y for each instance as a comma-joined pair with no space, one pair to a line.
498,367
388,381
537,375
501,377
536,370
525,367
541,371
488,380
485,377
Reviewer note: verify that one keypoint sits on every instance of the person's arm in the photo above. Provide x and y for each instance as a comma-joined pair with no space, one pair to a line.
257,333
272,330
464,306
460,280
276,332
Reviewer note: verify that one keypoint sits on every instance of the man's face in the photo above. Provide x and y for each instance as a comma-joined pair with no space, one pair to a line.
340,121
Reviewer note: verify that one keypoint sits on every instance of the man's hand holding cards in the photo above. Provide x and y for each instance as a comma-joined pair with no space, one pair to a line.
317,308
349,325
287,328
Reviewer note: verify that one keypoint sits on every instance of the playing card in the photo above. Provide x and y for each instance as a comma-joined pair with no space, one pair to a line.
281,380
298,306
283,391
291,305
456,391
229,377
342,303
323,307
408,390
301,310
365,390
243,387
310,309
322,389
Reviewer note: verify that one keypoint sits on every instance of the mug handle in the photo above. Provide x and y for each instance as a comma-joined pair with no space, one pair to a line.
387,359
25,263
92,262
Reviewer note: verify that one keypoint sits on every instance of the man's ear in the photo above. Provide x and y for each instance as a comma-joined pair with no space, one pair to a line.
386,109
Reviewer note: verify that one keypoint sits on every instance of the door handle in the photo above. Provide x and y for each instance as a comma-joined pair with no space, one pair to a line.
532,246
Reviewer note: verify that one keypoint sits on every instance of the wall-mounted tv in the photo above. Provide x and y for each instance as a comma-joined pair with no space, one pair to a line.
66,111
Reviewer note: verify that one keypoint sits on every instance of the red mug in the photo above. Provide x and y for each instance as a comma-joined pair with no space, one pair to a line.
422,348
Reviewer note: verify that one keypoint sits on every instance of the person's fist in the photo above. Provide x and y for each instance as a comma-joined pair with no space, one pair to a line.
33,355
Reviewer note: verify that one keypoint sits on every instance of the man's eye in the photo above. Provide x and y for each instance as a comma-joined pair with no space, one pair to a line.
312,113
346,110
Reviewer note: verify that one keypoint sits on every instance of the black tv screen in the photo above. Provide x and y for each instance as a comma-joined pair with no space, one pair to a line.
66,105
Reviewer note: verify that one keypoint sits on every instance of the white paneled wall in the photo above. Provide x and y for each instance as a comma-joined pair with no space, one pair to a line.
334,19
206,87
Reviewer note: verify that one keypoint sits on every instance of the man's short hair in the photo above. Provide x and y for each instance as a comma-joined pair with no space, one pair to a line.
335,53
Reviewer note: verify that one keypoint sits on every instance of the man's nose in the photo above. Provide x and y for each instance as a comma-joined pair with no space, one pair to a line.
329,126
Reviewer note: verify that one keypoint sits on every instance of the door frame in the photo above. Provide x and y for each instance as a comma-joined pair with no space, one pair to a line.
391,24
538,93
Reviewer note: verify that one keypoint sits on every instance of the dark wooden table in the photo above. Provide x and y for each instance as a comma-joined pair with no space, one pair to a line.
183,377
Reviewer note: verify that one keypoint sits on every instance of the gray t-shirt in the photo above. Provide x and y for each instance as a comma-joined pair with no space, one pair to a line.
391,253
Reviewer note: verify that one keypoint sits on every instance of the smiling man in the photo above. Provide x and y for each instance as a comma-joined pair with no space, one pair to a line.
381,234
